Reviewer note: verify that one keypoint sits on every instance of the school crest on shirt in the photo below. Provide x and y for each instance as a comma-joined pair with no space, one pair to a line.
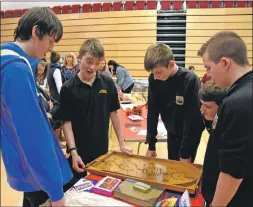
103,91
215,120
180,100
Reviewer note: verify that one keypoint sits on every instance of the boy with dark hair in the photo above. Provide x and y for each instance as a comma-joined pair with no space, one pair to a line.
228,169
55,78
31,153
54,57
211,96
173,93
88,101
192,68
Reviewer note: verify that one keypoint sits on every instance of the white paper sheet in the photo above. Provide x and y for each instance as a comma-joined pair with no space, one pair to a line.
142,132
185,200
125,106
161,130
135,118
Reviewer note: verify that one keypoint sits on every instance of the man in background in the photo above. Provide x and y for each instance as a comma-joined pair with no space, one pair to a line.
55,78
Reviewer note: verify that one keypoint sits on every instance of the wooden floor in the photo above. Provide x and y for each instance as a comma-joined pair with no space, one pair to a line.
9,197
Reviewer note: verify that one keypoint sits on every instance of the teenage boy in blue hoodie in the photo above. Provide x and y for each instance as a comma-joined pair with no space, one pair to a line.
34,161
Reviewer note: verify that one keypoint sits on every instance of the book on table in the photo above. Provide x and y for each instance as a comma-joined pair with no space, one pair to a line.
106,186
126,191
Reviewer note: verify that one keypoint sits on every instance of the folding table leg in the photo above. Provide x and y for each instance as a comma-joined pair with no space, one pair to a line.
110,130
139,145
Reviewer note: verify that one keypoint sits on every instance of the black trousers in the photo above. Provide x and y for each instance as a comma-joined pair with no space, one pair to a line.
174,143
129,89
37,198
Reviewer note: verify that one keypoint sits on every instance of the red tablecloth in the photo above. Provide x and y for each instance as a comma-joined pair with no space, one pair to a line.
197,200
132,136
129,133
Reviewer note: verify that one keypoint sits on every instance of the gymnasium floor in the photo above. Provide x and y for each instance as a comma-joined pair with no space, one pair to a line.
10,197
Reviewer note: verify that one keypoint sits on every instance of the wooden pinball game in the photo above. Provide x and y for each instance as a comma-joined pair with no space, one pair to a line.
170,174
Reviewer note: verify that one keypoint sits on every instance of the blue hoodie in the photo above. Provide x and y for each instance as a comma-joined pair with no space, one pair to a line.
31,153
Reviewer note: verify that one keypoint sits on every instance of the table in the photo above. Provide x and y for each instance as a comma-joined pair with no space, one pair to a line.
132,136
197,200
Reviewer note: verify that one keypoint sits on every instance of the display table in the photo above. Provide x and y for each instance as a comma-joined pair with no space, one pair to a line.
131,135
197,200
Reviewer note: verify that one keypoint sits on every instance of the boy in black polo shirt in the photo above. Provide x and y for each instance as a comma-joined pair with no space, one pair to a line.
228,169
88,101
173,93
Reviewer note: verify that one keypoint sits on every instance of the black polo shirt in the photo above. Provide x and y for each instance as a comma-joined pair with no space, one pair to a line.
177,100
230,146
88,108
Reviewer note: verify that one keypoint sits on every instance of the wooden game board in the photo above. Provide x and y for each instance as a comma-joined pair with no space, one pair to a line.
170,174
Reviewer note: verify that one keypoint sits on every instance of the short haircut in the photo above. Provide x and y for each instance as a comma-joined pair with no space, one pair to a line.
158,54
74,59
212,92
47,23
191,67
225,44
92,46
54,57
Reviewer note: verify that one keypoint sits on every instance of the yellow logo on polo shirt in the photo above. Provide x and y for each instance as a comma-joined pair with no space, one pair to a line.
180,100
102,91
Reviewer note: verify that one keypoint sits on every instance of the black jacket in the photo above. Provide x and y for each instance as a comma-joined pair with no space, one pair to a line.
177,100
230,146
55,121
51,82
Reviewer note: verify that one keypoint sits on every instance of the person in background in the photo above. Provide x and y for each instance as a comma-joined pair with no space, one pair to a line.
51,106
192,68
206,77
78,65
106,72
69,68
55,78
41,73
103,69
227,171
34,161
124,78
88,101
174,93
